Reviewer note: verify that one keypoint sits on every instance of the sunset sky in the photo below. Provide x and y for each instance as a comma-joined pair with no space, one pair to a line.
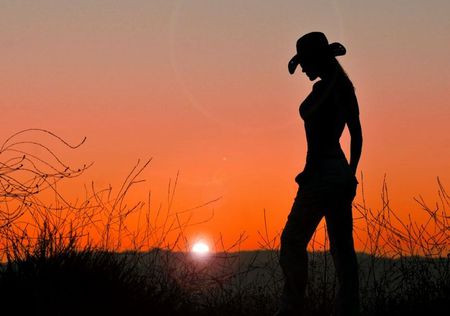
203,88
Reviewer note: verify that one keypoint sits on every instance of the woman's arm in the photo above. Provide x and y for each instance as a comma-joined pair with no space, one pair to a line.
354,126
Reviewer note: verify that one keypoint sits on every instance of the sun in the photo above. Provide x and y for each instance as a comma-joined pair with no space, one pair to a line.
200,248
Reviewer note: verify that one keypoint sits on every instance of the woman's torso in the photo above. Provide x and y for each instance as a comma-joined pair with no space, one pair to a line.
325,112
324,117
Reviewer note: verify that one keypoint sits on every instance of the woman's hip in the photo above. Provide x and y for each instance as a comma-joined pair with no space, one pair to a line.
328,179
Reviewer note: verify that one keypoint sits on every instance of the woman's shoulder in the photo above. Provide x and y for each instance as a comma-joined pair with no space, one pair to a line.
344,89
343,83
346,97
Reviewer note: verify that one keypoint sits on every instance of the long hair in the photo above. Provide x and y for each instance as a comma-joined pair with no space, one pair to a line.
341,74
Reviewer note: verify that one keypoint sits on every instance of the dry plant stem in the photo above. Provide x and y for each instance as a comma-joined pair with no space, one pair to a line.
399,257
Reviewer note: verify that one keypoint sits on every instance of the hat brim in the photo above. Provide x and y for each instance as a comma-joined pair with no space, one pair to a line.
293,63
337,49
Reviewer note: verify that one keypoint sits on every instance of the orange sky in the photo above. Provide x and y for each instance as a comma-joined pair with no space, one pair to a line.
203,88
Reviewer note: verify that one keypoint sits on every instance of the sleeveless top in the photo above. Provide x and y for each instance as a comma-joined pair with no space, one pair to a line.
325,111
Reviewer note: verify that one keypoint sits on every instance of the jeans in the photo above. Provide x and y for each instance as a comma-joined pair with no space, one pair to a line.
326,188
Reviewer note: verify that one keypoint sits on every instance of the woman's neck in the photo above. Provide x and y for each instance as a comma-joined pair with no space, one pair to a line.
329,73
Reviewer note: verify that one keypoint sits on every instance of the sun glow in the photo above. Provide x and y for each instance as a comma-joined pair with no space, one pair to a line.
200,248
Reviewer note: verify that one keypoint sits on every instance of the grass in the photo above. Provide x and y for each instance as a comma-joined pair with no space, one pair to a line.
68,258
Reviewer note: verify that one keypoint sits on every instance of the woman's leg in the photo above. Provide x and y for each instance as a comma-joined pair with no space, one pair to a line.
340,227
300,226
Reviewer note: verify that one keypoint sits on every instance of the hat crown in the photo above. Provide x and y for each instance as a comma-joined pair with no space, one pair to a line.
313,43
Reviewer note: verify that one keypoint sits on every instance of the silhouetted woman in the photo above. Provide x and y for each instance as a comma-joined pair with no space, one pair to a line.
327,185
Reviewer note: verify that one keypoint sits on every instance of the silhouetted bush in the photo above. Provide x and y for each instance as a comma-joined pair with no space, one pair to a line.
68,259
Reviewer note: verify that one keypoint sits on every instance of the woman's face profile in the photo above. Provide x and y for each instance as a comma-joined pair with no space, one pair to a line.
309,67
